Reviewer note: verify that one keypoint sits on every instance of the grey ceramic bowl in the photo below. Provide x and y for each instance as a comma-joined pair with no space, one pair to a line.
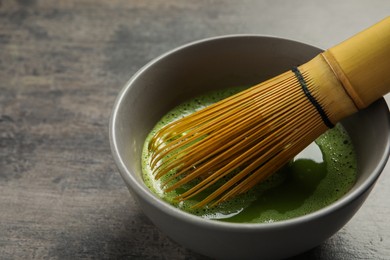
219,63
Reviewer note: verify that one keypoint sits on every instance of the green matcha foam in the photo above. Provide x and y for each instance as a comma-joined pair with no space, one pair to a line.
317,177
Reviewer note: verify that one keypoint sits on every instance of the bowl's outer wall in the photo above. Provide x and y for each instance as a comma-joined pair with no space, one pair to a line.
215,64
254,243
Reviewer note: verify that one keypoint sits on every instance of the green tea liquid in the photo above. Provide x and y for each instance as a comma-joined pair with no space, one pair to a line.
317,177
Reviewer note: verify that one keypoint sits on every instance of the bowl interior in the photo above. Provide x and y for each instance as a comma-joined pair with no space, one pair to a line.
220,63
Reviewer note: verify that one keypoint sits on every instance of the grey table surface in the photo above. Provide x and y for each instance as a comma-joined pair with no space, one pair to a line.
62,64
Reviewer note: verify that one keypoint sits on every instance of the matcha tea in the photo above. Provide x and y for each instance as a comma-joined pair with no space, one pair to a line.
318,176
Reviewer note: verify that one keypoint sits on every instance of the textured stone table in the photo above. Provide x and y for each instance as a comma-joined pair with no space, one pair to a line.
62,64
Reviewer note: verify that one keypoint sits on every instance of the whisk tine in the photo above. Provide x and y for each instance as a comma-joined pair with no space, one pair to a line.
248,125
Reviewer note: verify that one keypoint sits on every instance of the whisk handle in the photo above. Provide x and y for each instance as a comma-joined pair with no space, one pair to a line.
362,63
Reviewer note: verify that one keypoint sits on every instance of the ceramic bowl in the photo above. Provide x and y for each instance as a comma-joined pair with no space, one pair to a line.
219,63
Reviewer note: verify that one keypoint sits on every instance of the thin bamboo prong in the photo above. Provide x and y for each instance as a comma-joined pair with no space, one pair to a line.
193,154
244,132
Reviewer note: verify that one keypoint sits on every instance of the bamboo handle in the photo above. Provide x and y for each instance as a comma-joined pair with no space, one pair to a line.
362,63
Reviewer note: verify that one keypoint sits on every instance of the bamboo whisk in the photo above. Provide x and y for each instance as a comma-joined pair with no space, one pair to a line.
257,131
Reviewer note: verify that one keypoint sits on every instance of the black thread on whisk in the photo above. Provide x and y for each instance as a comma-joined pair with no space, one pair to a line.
315,103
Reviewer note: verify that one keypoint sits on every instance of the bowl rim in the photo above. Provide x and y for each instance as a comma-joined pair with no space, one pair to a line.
168,209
